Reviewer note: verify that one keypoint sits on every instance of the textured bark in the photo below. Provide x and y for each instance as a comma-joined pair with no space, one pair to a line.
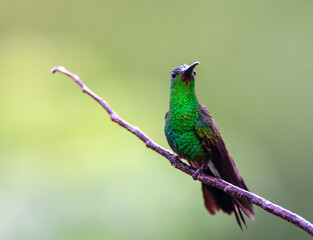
175,160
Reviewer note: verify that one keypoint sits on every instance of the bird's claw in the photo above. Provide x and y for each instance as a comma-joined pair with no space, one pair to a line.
196,174
173,161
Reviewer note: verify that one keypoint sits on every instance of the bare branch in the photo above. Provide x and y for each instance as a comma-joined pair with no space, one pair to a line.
174,159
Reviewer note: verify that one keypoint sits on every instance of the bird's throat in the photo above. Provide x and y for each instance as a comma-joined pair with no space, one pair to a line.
183,109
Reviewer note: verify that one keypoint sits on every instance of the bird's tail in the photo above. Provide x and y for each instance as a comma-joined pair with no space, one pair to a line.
215,199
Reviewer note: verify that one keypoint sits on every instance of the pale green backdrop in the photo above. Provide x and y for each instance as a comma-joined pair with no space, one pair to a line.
67,172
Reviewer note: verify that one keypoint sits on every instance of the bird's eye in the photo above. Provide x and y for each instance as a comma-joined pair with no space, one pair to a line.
174,75
194,73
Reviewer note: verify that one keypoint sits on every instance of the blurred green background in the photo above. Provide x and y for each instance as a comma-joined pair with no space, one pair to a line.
67,172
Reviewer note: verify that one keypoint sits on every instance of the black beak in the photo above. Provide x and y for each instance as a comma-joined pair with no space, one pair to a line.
188,73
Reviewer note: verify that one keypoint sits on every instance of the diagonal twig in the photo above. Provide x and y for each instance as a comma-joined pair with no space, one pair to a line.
174,159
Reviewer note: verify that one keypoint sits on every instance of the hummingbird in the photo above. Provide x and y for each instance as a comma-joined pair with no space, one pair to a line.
191,132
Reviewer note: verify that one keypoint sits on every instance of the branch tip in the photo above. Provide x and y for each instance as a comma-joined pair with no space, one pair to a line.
59,69
53,69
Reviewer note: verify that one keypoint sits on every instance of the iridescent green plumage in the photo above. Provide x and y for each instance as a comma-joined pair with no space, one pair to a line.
192,133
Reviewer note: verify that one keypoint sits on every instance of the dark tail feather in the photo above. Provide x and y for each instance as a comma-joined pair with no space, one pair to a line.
245,206
215,199
242,218
221,200
238,214
238,220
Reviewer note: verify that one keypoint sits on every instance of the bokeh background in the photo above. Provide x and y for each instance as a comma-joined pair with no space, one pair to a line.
67,172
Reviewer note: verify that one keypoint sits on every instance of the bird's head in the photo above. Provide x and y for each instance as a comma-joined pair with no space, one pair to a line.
183,76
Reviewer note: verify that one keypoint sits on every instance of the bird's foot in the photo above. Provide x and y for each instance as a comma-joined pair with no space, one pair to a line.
196,173
174,160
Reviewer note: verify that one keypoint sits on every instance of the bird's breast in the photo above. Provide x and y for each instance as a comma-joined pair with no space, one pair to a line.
186,144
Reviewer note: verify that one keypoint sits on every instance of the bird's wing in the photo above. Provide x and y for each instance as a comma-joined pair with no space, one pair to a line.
224,164
208,132
166,115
